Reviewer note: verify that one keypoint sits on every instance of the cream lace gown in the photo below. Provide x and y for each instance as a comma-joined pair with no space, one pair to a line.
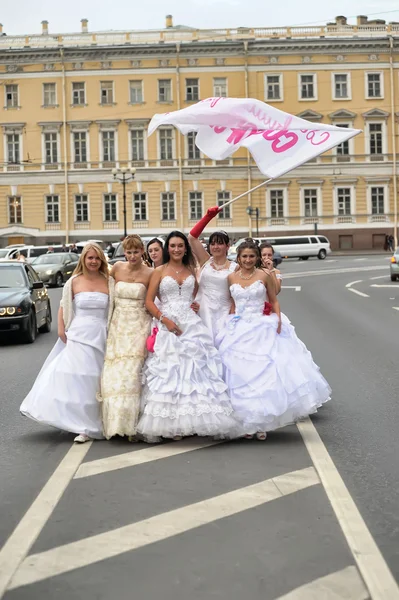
124,358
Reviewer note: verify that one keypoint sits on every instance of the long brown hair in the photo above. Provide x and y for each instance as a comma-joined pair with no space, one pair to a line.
81,266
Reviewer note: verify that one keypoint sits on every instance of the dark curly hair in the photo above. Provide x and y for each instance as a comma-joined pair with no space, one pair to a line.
249,245
188,258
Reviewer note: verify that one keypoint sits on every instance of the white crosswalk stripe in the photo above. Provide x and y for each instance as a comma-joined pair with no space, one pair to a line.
341,585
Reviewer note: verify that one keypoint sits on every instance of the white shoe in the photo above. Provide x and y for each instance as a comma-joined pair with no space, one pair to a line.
82,438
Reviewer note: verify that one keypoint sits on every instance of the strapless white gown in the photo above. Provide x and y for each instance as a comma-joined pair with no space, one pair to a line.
64,393
271,377
184,393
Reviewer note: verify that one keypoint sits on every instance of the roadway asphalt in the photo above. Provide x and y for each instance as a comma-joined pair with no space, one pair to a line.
138,501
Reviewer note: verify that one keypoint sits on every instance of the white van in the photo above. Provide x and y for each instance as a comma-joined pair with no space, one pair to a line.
30,252
298,246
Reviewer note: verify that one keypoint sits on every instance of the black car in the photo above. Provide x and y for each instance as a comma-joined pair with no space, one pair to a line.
24,302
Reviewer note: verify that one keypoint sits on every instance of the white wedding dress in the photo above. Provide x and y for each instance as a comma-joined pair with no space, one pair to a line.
184,393
64,393
271,377
214,296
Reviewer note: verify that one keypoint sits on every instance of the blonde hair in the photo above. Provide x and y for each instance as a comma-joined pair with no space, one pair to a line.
81,266
133,242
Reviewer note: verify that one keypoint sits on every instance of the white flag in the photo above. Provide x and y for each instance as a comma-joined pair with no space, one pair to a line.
278,141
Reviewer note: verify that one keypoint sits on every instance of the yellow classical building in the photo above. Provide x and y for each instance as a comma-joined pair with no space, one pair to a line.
76,106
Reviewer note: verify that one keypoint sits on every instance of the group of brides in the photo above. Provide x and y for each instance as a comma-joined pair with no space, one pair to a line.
223,360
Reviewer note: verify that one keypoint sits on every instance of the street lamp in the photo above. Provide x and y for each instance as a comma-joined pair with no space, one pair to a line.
124,175
254,211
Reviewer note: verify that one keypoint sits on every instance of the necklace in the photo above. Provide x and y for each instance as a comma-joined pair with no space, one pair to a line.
177,271
219,267
249,276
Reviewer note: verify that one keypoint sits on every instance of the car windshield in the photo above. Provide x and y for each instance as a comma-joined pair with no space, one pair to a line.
3,253
49,259
12,277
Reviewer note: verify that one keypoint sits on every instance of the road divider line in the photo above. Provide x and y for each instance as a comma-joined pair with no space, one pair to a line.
333,271
385,285
372,566
395,307
297,288
140,457
28,529
378,277
96,548
341,585
362,294
348,285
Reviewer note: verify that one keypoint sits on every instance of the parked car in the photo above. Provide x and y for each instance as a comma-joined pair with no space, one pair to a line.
119,254
55,268
30,252
24,302
299,246
394,266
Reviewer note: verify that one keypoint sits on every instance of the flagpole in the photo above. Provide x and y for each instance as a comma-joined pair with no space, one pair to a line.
245,193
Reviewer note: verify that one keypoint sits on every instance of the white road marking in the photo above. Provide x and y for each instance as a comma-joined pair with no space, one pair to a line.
359,259
28,529
359,293
395,307
378,277
372,566
384,285
333,271
140,457
348,285
341,585
297,288
96,548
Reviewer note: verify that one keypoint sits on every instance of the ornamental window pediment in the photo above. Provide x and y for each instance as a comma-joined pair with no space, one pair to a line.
310,115
375,113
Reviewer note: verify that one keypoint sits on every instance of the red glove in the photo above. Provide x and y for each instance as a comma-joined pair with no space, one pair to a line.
202,223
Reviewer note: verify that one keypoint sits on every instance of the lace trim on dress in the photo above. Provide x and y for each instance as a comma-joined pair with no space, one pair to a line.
181,411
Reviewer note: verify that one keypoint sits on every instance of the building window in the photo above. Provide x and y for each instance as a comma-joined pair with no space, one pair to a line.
168,206
137,137
13,148
192,90
11,96
222,198
164,90
107,92
220,87
273,87
341,86
78,93
139,207
276,204
374,87
166,144
14,210
375,132
193,152
81,208
80,147
108,142
49,94
342,149
307,87
344,197
310,202
377,200
110,207
51,148
195,205
52,209
136,92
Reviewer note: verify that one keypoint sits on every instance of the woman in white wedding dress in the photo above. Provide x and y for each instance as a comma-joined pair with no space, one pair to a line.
184,393
64,393
271,376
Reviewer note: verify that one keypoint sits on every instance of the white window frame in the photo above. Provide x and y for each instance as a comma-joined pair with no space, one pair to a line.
351,141
86,131
12,106
84,93
348,84
353,198
56,133
117,206
112,88
20,149
46,206
130,91
229,208
171,91
174,206
190,160
44,94
88,207
173,159
216,95
197,199
366,85
281,86
146,207
8,209
315,87
377,184
269,204
317,188
145,159
198,90
367,139
101,144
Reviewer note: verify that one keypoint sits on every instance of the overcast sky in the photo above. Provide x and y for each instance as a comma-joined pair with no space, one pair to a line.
25,16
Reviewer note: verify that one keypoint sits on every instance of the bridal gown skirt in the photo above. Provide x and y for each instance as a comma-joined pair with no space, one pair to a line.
64,393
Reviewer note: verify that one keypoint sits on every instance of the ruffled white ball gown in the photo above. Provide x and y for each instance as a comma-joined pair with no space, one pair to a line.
121,380
271,377
64,393
184,393
214,296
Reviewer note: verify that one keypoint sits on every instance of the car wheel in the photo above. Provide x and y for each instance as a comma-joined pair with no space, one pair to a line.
31,330
322,254
393,277
59,280
46,328
305,257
